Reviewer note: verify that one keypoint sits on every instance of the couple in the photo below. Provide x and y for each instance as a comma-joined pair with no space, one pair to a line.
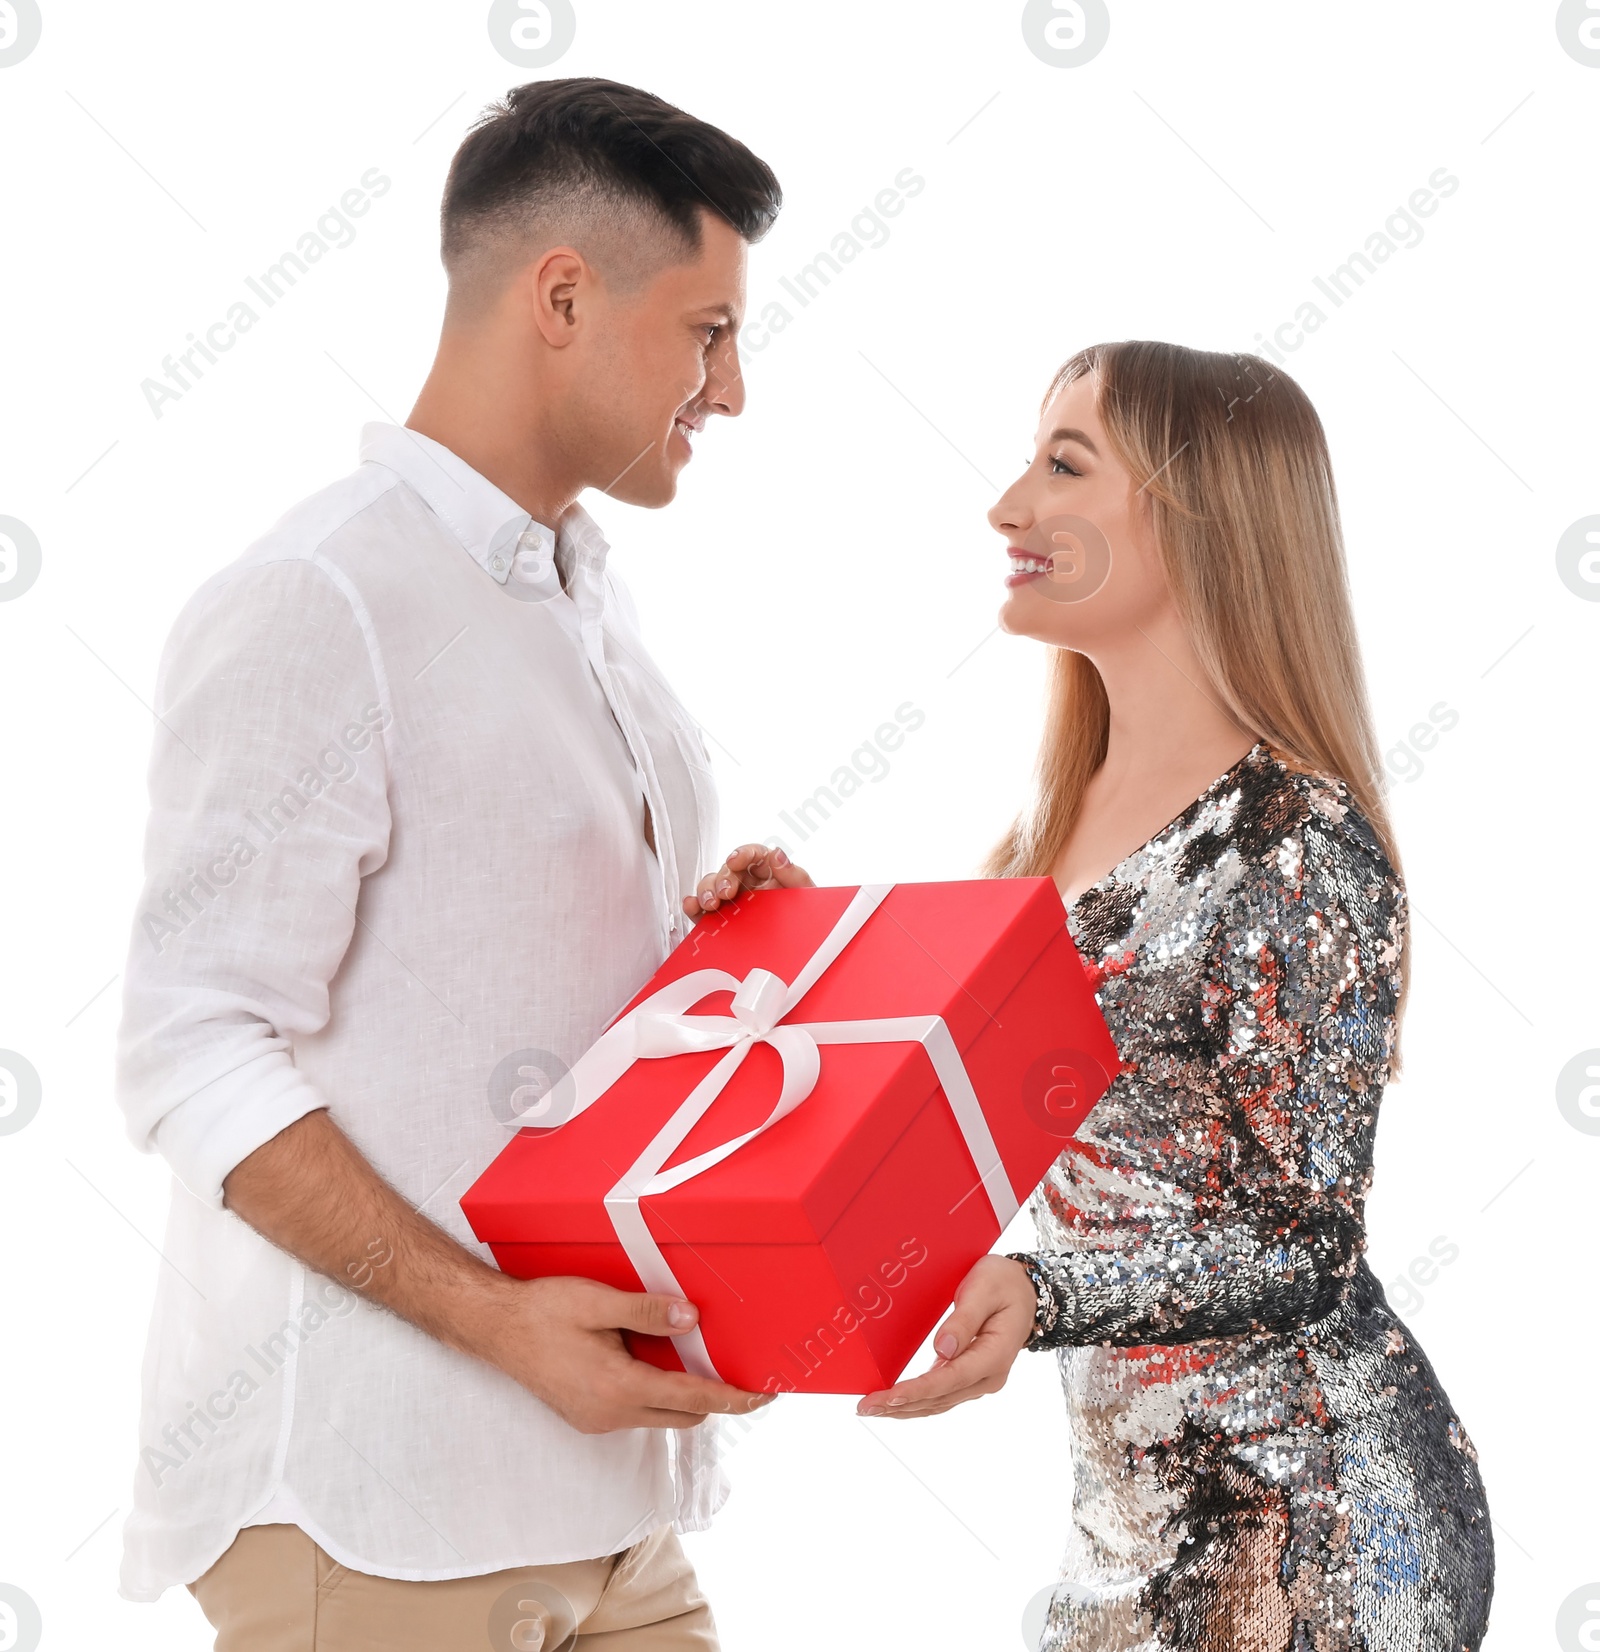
422,811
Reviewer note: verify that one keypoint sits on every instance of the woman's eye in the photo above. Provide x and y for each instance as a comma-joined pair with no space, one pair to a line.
1060,467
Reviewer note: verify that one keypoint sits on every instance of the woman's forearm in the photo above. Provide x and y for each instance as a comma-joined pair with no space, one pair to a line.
1220,1283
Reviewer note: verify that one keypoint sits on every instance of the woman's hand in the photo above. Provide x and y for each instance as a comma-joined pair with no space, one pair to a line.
989,1324
751,866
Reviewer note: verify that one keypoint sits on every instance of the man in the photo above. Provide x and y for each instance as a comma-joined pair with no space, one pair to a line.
423,815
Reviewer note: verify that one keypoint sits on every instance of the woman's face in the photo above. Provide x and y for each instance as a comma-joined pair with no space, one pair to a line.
1085,571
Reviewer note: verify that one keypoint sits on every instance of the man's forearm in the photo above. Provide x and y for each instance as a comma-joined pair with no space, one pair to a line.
312,1193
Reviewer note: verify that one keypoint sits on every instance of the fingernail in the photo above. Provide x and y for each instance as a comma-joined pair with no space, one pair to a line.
779,858
725,887
945,1346
892,1404
681,1315
869,1410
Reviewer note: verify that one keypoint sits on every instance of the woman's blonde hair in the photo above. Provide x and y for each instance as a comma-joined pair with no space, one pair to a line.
1234,462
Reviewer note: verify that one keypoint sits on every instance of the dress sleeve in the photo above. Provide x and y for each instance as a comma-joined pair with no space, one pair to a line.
268,804
1301,993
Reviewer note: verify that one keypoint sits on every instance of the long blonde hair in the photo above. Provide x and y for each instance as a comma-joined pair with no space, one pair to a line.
1234,462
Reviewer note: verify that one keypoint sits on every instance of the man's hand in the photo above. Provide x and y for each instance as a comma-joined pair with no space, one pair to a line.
751,866
989,1324
562,1340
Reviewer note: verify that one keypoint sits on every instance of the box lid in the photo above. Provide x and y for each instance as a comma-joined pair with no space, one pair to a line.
955,950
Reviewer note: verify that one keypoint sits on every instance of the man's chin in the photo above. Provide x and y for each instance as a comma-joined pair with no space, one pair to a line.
649,492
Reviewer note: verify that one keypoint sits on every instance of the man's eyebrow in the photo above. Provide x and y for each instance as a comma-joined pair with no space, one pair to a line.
1068,434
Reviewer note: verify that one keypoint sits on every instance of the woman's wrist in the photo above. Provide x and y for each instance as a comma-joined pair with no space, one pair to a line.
1046,1308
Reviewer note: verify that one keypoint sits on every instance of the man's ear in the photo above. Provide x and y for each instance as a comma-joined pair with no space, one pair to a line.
558,282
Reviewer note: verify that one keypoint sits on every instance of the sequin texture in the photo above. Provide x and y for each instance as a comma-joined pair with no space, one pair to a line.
1264,1460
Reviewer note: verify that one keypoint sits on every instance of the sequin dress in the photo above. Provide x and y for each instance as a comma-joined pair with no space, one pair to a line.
1263,1458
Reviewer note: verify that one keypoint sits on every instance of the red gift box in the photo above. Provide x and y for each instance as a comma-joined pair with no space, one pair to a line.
818,1114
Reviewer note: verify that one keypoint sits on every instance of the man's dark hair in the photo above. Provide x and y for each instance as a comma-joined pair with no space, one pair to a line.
596,151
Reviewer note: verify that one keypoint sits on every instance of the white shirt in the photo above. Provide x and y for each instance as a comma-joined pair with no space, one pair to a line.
397,836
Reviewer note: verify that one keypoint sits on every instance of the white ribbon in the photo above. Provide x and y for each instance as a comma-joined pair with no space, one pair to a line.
660,1025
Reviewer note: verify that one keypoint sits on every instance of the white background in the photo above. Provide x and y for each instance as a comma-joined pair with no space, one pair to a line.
826,561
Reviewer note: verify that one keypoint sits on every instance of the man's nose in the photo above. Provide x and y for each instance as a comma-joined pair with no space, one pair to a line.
724,391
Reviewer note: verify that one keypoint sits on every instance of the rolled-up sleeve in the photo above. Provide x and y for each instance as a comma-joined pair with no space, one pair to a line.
268,805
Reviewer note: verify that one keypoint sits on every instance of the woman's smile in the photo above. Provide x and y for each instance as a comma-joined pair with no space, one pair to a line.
1025,566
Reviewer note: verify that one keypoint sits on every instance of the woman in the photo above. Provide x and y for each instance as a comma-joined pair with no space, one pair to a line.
1263,1458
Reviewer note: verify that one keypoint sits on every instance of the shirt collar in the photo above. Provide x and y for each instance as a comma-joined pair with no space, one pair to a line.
491,527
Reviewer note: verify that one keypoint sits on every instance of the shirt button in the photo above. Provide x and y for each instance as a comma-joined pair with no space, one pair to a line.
498,564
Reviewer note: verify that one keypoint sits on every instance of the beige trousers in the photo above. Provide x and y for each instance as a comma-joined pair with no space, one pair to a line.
275,1590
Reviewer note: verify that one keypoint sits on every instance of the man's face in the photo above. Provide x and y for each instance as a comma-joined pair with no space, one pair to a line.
664,359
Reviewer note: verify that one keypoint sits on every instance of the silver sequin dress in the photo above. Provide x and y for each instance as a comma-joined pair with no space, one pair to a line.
1263,1458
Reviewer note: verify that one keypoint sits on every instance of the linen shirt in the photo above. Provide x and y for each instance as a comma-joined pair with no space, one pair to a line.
397,867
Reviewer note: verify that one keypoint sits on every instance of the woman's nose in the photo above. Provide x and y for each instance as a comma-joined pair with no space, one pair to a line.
1008,515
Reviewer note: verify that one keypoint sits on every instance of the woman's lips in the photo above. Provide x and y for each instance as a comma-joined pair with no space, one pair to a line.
1025,567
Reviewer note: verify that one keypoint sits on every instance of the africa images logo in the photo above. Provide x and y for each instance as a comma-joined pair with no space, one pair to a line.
20,28
1066,34
532,33
20,557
